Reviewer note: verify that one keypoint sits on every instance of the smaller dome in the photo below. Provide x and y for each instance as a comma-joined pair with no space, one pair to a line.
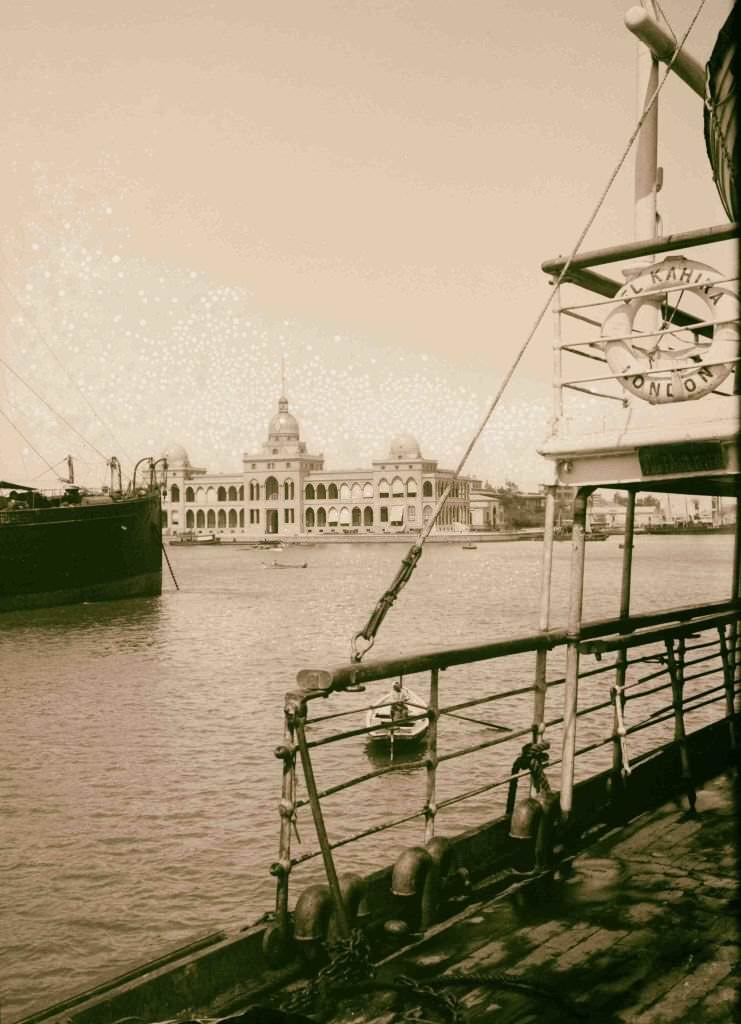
405,447
284,424
176,456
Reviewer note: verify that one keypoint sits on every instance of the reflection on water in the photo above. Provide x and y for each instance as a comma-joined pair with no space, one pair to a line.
138,784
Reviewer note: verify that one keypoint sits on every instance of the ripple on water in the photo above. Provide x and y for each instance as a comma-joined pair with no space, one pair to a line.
137,762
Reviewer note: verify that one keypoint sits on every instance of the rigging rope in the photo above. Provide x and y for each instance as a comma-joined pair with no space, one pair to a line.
37,331
53,411
409,563
24,438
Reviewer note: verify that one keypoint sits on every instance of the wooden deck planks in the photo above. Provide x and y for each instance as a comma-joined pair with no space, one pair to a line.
641,929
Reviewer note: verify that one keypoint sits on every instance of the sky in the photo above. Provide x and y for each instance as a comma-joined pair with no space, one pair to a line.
194,192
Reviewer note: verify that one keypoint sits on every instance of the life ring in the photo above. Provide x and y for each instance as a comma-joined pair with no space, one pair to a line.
664,367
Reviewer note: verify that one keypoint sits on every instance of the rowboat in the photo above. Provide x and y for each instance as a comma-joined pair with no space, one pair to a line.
397,707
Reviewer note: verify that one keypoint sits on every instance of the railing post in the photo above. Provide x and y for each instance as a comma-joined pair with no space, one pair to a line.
299,717
431,758
282,868
541,655
676,673
621,665
725,658
735,594
576,595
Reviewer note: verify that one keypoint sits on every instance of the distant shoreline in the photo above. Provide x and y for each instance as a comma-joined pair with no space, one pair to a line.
311,540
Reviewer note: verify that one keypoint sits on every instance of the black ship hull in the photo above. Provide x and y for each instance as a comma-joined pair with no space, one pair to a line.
76,553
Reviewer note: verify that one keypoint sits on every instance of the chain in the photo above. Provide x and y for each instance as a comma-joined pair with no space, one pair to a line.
349,962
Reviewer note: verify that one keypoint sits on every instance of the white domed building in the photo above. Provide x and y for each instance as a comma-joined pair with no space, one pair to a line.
283,490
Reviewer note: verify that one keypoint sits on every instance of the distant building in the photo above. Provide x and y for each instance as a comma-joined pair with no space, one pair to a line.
285,490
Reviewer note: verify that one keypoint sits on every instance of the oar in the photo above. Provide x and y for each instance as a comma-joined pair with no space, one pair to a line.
479,721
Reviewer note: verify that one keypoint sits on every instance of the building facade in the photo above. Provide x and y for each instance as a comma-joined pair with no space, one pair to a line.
284,490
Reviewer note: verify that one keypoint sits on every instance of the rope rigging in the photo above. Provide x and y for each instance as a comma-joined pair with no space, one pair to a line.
53,411
409,563
39,335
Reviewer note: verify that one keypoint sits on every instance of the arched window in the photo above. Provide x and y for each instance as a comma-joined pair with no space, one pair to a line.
174,493
189,496
367,490
344,516
221,494
309,492
426,512
163,519
332,492
200,519
310,519
288,490
411,487
383,488
271,489
254,490
200,495
210,495
321,517
189,519
367,516
427,489
345,492
241,492
357,492
356,516
232,517
333,516
397,487
321,492
221,519
211,519
241,518
232,494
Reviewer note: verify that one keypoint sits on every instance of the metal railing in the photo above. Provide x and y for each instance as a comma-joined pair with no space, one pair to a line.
644,681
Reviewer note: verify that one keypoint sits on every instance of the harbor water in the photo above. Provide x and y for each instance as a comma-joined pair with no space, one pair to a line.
138,785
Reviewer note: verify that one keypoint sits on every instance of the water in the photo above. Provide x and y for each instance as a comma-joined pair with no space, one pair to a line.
138,787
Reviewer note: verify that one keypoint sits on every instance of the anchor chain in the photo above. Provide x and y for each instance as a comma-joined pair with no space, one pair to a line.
349,964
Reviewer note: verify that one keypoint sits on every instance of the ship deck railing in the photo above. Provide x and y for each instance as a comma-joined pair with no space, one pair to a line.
645,682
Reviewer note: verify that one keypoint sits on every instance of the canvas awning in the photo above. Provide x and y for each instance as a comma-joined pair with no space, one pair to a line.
397,515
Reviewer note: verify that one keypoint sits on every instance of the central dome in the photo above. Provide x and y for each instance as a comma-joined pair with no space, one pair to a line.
283,426
405,447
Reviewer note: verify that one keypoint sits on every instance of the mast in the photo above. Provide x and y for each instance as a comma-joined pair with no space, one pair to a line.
646,183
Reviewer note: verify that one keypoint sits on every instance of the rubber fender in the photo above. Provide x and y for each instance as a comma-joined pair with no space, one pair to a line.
352,890
525,818
311,916
410,871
